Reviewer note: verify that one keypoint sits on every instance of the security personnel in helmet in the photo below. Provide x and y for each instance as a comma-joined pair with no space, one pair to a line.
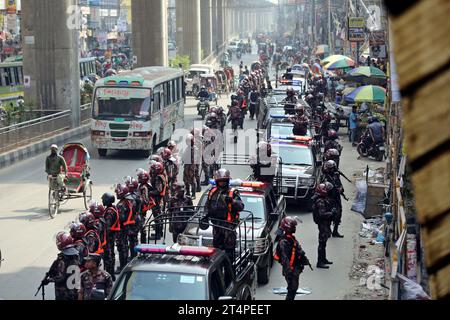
300,121
180,208
222,208
332,154
330,173
112,223
96,284
63,267
147,201
265,163
332,143
323,213
291,256
78,232
160,188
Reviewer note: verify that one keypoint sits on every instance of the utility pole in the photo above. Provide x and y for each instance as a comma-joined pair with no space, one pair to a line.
357,43
313,25
330,41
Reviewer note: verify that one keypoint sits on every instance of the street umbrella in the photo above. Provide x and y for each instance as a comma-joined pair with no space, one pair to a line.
370,93
334,58
346,63
366,75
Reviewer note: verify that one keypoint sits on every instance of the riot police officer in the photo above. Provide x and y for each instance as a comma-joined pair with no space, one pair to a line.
180,208
159,183
112,224
190,166
291,256
331,142
223,206
331,174
323,214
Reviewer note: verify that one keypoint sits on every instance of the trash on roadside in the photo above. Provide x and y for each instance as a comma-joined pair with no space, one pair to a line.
373,229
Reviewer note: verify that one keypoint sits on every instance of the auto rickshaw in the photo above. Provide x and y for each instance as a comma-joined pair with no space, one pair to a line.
230,78
211,84
222,80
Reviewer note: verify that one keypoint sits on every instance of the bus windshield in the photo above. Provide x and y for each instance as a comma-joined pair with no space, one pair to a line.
128,103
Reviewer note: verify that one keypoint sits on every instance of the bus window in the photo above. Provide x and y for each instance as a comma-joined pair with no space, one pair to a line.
180,88
174,91
2,77
21,74
167,93
16,75
156,103
7,75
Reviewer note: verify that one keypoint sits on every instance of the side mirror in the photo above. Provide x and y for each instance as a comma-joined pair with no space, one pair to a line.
226,298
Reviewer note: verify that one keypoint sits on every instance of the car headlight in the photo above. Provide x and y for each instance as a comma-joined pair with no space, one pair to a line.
309,182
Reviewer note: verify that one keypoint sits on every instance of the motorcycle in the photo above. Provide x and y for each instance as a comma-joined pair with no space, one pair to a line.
203,107
377,151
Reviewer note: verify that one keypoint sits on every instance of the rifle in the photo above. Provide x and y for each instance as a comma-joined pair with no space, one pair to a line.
344,176
42,286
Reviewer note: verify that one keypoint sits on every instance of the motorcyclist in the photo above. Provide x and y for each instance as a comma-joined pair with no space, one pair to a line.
203,94
323,213
290,96
223,207
300,121
291,256
56,168
59,272
112,223
375,133
159,182
330,173
180,208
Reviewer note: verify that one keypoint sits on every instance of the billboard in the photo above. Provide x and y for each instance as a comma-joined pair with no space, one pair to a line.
356,29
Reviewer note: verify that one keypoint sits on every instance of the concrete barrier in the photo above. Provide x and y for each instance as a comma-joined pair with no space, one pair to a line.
38,147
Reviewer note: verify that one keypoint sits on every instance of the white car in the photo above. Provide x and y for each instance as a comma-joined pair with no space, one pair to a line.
233,46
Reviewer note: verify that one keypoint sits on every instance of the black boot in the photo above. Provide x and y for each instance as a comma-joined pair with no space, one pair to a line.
336,232
321,259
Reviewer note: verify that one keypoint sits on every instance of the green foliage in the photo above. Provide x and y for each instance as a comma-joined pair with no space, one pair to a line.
184,60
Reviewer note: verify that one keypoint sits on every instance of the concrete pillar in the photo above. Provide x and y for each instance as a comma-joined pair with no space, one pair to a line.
220,22
189,29
150,36
241,21
206,22
51,54
214,25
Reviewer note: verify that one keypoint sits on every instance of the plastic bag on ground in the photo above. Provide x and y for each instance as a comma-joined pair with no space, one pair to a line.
412,290
359,205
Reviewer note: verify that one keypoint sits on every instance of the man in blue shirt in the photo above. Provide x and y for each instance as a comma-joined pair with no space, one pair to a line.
353,126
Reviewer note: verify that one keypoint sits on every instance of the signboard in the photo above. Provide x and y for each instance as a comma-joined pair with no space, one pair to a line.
29,40
377,38
27,81
135,60
11,7
356,29
378,52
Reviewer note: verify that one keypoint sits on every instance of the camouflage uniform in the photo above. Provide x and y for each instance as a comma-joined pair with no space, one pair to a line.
102,280
207,167
59,275
82,246
158,193
171,168
135,228
335,194
93,241
127,218
191,170
112,223
179,215
323,215
291,272
217,209
300,125
333,144
148,203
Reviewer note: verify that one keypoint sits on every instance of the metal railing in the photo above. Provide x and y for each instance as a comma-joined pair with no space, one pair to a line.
23,133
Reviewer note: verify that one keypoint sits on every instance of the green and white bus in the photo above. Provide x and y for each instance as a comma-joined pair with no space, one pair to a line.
137,110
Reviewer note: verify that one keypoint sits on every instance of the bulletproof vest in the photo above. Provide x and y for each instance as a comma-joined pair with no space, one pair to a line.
217,206
317,204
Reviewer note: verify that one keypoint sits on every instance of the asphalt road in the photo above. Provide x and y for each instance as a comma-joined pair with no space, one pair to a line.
27,235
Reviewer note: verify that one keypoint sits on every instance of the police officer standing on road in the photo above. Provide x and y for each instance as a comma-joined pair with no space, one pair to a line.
77,232
159,183
190,166
147,201
331,174
96,284
180,207
112,225
291,256
126,215
223,206
59,271
323,214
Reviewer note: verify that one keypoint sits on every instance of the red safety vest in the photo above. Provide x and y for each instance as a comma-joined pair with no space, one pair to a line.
99,247
116,226
276,257
130,219
230,194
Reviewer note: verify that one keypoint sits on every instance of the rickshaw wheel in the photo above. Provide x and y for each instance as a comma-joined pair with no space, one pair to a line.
87,194
53,203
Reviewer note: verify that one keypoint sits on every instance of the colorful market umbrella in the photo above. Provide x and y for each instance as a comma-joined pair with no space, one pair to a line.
367,94
322,49
334,58
370,72
340,64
